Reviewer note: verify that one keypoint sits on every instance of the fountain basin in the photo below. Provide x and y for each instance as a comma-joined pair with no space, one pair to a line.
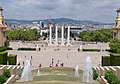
56,75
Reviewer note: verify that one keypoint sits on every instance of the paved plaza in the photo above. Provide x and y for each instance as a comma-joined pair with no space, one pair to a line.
68,55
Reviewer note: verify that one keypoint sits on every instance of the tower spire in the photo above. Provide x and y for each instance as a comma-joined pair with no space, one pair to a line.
116,27
1,15
2,28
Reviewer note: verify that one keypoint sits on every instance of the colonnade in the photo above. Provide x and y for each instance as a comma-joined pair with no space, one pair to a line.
62,35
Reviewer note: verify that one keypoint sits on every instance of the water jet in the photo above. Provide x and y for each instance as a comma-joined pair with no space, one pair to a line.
87,73
26,73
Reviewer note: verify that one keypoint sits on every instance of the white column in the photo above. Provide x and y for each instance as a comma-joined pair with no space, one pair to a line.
62,38
56,35
68,36
50,36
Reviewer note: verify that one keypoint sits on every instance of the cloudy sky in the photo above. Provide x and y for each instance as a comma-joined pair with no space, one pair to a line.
96,10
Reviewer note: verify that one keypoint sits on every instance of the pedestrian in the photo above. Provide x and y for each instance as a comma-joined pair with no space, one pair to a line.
58,61
25,57
18,63
56,65
40,65
62,64
23,63
67,55
31,57
30,62
52,61
50,65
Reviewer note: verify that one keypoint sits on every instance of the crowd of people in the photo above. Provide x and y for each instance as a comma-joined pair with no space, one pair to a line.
58,63
31,58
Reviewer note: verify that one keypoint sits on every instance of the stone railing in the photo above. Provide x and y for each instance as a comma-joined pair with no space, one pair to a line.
15,72
102,80
102,70
11,80
2,69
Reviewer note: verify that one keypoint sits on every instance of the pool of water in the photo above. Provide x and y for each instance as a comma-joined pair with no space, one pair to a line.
59,75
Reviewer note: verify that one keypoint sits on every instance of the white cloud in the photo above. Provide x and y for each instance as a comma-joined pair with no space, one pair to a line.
98,10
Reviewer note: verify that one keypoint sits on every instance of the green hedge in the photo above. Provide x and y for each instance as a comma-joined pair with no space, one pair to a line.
9,48
111,78
12,59
115,59
109,50
27,49
6,74
2,49
105,60
3,58
95,75
5,48
112,60
96,50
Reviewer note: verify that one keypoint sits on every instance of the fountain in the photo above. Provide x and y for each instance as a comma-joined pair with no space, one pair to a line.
57,75
38,73
26,73
77,71
87,73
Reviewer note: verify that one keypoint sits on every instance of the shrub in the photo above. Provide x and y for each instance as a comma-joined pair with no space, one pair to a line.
115,59
2,49
5,48
105,60
112,60
3,58
27,49
3,79
12,59
111,78
9,48
95,75
6,74
96,50
6,43
109,50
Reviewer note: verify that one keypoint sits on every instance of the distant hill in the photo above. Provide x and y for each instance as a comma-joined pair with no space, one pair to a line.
57,21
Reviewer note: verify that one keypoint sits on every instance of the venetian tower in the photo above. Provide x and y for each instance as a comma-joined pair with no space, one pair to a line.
2,28
116,27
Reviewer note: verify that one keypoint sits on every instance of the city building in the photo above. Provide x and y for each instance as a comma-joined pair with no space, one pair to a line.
2,28
116,27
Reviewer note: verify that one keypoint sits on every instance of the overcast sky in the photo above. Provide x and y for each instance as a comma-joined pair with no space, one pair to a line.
96,10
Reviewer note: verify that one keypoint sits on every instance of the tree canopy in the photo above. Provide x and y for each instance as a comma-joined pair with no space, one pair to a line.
115,45
103,35
24,35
